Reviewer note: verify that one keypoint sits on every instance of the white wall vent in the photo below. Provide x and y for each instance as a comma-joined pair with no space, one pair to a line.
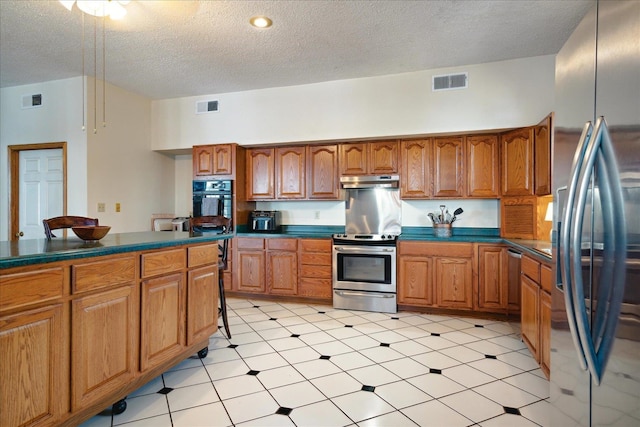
32,101
206,107
449,81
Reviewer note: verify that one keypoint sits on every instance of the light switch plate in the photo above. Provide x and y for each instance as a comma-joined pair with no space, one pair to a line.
101,207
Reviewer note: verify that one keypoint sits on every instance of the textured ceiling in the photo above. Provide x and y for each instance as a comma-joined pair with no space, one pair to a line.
167,49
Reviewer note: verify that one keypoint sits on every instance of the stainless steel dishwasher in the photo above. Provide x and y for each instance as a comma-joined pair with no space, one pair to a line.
514,281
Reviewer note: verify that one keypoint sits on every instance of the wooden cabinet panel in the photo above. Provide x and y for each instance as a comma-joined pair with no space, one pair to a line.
454,287
415,172
251,264
34,366
314,263
542,160
163,262
283,244
101,274
517,162
260,173
530,314
31,287
104,343
323,172
212,160
483,166
162,298
545,278
545,333
531,268
291,172
222,159
202,303
353,159
315,288
202,161
316,245
492,278
383,157
282,272
415,281
448,167
202,255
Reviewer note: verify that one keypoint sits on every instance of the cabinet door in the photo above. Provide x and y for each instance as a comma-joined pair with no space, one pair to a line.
483,166
545,332
492,278
383,157
529,314
162,298
448,169
251,275
35,386
104,343
542,161
353,159
291,173
517,162
415,174
202,161
282,272
323,172
202,303
454,286
222,159
260,174
415,280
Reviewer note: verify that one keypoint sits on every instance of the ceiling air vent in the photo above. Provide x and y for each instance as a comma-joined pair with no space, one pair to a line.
449,81
206,107
32,101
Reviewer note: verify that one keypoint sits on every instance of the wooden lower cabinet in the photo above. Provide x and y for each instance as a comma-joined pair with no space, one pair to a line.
493,280
202,303
314,260
545,333
435,274
282,266
530,314
250,265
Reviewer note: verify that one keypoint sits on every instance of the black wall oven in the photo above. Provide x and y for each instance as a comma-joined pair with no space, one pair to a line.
213,198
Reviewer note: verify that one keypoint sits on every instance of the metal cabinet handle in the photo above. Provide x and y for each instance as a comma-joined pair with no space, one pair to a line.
363,294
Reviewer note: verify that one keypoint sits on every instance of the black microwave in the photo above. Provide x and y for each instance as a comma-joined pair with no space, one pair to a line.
264,221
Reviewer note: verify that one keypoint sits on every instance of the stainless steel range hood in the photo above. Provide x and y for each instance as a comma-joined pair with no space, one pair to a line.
375,181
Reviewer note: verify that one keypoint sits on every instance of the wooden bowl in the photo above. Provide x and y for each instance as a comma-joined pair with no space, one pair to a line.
91,232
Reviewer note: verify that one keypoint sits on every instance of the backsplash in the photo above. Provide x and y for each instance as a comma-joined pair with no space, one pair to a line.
478,213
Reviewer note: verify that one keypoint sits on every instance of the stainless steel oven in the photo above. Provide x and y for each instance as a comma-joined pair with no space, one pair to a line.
364,272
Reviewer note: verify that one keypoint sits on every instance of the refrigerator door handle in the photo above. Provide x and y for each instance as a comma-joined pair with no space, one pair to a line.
566,241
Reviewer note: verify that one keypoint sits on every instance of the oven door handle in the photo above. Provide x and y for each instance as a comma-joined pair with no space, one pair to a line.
364,294
361,250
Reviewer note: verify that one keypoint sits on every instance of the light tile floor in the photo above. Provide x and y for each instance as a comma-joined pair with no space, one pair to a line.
311,365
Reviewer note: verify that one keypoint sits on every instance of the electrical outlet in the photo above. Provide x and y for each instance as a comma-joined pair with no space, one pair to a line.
118,207
101,207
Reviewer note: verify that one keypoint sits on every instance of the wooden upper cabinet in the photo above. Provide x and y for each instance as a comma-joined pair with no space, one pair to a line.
383,157
291,172
322,170
483,177
517,162
202,161
448,167
542,161
414,169
369,158
212,160
222,159
260,173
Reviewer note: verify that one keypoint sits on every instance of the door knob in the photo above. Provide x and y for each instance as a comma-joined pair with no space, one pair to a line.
20,234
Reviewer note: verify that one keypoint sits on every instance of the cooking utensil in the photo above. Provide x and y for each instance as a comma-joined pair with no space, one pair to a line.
433,218
456,213
442,212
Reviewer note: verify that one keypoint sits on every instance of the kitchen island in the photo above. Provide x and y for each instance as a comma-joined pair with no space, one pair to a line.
84,324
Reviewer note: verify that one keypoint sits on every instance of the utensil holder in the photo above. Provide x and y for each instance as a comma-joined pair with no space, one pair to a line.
442,230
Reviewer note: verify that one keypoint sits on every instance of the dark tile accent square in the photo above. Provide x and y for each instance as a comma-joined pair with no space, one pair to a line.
435,371
272,318
295,335
325,357
232,346
434,334
479,326
252,372
384,344
322,312
368,388
490,356
395,318
165,390
284,411
509,410
256,306
566,391
348,326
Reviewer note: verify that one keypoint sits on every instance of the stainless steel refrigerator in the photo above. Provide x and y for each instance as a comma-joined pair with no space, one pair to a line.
595,337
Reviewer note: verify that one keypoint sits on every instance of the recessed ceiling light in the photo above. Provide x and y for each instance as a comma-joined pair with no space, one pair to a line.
260,22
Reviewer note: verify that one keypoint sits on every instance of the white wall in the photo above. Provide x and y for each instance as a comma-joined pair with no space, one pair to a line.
500,95
59,119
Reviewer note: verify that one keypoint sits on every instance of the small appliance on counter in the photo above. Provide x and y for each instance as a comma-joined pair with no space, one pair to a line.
265,221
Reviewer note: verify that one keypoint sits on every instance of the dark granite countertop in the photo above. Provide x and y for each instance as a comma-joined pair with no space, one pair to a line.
39,251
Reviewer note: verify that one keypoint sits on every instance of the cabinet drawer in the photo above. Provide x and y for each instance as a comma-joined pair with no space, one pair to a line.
315,259
320,271
315,245
314,288
163,262
545,278
458,250
282,244
531,268
102,274
203,255
21,289
250,243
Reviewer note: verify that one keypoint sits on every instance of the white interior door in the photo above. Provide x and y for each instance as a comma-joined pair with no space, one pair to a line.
41,189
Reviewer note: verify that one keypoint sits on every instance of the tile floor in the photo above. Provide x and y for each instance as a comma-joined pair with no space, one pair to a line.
310,365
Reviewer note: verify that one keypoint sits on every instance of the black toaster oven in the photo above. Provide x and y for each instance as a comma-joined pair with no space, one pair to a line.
265,221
